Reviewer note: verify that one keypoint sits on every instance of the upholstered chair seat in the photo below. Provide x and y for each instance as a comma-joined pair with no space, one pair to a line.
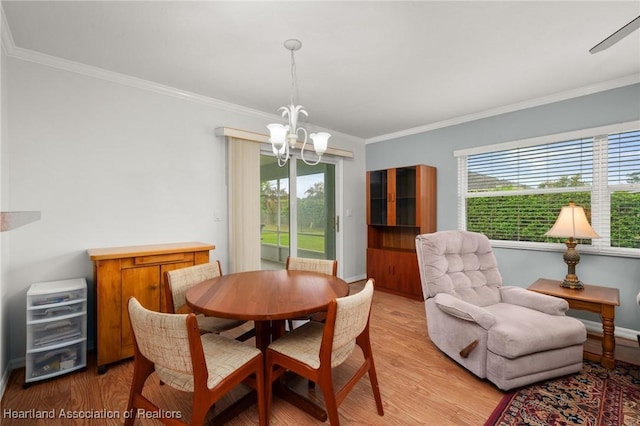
509,335
223,356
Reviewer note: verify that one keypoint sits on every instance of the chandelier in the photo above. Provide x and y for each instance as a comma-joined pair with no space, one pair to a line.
283,137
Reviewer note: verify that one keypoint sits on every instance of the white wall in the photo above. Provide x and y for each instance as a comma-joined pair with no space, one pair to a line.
113,165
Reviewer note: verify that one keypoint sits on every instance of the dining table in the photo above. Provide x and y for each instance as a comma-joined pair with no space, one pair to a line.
268,298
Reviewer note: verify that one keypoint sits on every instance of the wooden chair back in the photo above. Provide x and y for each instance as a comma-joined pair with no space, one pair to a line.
324,266
178,281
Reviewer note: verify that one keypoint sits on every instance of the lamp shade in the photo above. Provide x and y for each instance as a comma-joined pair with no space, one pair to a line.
572,222
320,141
277,135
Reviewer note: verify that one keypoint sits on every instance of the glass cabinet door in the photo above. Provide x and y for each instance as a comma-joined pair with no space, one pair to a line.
378,193
405,196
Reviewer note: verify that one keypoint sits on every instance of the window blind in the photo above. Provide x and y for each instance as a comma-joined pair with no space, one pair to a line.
623,179
513,192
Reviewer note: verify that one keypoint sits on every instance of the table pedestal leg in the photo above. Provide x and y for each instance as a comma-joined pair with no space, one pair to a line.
608,337
281,389
236,408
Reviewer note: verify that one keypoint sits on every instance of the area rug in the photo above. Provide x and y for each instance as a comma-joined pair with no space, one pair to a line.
594,397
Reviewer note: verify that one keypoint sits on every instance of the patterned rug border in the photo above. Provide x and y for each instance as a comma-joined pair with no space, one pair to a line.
510,396
502,405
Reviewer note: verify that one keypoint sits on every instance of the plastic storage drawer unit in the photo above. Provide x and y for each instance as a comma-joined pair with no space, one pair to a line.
56,328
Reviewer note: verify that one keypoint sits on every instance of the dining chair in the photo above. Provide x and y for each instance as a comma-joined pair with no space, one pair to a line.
207,365
178,281
313,349
323,266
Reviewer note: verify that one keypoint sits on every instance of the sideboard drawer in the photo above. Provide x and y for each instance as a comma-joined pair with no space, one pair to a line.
156,259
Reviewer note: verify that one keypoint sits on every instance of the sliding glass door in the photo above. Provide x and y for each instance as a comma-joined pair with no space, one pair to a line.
297,210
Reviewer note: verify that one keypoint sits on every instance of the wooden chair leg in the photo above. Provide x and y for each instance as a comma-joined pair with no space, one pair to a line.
268,380
261,391
199,412
365,344
326,384
373,378
142,368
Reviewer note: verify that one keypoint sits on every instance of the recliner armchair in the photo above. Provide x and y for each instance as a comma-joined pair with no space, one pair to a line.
508,335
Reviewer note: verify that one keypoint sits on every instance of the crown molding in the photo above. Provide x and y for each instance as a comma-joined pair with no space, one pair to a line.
114,77
556,97
14,51
8,45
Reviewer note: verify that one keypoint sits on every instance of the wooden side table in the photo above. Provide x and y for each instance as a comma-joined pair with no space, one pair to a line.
593,298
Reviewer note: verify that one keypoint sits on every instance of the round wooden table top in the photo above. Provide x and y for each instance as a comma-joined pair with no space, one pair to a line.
266,295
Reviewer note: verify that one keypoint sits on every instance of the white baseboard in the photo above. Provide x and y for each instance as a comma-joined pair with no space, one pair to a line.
17,363
625,333
4,380
356,278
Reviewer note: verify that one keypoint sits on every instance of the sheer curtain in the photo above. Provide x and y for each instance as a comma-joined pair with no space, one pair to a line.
244,205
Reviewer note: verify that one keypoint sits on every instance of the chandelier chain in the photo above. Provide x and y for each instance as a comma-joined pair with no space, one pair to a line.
293,77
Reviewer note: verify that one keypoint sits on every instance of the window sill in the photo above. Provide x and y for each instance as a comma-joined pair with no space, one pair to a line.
559,247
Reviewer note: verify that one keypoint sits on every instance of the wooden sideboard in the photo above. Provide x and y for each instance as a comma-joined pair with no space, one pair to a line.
122,272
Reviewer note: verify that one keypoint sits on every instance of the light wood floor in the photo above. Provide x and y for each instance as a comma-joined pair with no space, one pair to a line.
419,385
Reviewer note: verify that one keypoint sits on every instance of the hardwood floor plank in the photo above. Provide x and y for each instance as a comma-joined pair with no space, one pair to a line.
419,384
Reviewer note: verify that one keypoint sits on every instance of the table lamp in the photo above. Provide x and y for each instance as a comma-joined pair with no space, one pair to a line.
571,223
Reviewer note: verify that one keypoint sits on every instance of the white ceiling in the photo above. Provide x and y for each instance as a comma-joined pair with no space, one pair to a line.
368,69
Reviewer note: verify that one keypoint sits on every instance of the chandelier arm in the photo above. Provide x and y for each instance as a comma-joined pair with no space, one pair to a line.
304,140
309,163
304,144
284,157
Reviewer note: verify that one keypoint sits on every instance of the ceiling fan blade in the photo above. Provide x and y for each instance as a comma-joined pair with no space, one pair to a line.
617,36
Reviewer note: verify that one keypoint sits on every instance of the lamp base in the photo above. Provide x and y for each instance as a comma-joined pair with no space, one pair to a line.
575,285
571,258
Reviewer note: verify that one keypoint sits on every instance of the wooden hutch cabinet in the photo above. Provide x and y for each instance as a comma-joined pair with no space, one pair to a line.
401,203
122,272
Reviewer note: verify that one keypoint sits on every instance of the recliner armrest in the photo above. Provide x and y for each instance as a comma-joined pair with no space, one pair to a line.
464,310
530,299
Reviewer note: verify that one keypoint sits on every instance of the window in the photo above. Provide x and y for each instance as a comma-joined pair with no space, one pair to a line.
513,192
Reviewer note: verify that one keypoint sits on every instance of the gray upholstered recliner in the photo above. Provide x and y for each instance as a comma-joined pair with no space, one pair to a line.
509,335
